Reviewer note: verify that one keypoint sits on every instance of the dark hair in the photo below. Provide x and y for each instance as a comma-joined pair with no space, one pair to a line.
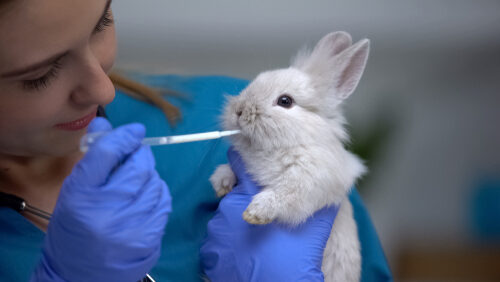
5,5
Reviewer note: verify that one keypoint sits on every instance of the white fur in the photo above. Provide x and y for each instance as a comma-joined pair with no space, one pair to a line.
297,154
223,180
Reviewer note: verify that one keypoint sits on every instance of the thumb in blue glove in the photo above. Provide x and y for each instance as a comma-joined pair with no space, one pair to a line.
110,215
235,250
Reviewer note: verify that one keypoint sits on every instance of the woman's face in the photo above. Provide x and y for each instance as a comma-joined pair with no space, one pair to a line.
54,56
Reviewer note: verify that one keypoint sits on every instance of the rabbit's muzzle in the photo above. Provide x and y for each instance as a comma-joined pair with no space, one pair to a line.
247,116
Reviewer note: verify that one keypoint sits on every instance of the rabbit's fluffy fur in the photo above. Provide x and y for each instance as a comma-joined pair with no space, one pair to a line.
296,151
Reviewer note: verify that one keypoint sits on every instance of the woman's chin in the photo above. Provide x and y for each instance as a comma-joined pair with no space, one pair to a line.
62,147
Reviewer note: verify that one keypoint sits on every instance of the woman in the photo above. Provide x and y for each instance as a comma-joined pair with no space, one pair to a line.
108,207
54,59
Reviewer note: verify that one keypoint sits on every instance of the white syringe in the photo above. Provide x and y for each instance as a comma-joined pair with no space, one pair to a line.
90,138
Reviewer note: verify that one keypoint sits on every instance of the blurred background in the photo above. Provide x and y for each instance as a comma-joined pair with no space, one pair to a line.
425,115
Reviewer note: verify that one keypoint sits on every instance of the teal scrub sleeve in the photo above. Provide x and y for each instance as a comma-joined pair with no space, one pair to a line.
374,266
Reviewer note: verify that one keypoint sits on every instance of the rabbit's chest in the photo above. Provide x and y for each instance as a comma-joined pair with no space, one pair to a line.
273,168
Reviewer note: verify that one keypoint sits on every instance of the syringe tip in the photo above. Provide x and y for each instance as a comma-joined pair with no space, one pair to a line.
229,133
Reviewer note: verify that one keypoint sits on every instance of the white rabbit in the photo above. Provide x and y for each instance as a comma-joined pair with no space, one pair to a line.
292,142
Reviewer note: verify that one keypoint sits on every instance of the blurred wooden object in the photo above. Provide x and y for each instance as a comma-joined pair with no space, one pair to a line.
149,94
464,263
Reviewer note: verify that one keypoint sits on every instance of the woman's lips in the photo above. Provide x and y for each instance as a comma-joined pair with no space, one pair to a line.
77,124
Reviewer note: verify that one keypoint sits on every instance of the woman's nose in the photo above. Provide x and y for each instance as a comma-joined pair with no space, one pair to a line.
94,87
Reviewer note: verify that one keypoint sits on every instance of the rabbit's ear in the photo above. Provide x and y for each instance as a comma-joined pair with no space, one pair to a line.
329,46
348,68
333,43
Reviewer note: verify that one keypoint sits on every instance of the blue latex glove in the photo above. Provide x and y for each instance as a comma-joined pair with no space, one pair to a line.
235,250
110,215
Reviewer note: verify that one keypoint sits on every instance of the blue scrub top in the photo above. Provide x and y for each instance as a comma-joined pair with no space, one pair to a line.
186,168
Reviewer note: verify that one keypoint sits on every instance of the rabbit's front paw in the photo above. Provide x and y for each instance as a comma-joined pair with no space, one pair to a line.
261,210
223,180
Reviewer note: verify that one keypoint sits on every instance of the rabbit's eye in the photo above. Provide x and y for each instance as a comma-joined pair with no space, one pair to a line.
285,101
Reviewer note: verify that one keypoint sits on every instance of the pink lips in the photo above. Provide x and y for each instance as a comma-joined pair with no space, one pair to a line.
77,124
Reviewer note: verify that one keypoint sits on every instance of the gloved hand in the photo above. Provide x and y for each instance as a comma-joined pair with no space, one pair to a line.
235,250
111,212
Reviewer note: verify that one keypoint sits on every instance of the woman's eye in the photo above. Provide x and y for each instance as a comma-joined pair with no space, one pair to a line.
42,82
106,20
285,101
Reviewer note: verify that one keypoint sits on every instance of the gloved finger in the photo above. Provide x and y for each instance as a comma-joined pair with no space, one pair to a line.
153,206
142,212
245,185
99,124
163,200
237,165
319,229
137,169
147,212
327,215
321,223
139,161
107,153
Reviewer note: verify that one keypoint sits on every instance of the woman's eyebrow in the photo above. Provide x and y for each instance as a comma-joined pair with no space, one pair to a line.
34,67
